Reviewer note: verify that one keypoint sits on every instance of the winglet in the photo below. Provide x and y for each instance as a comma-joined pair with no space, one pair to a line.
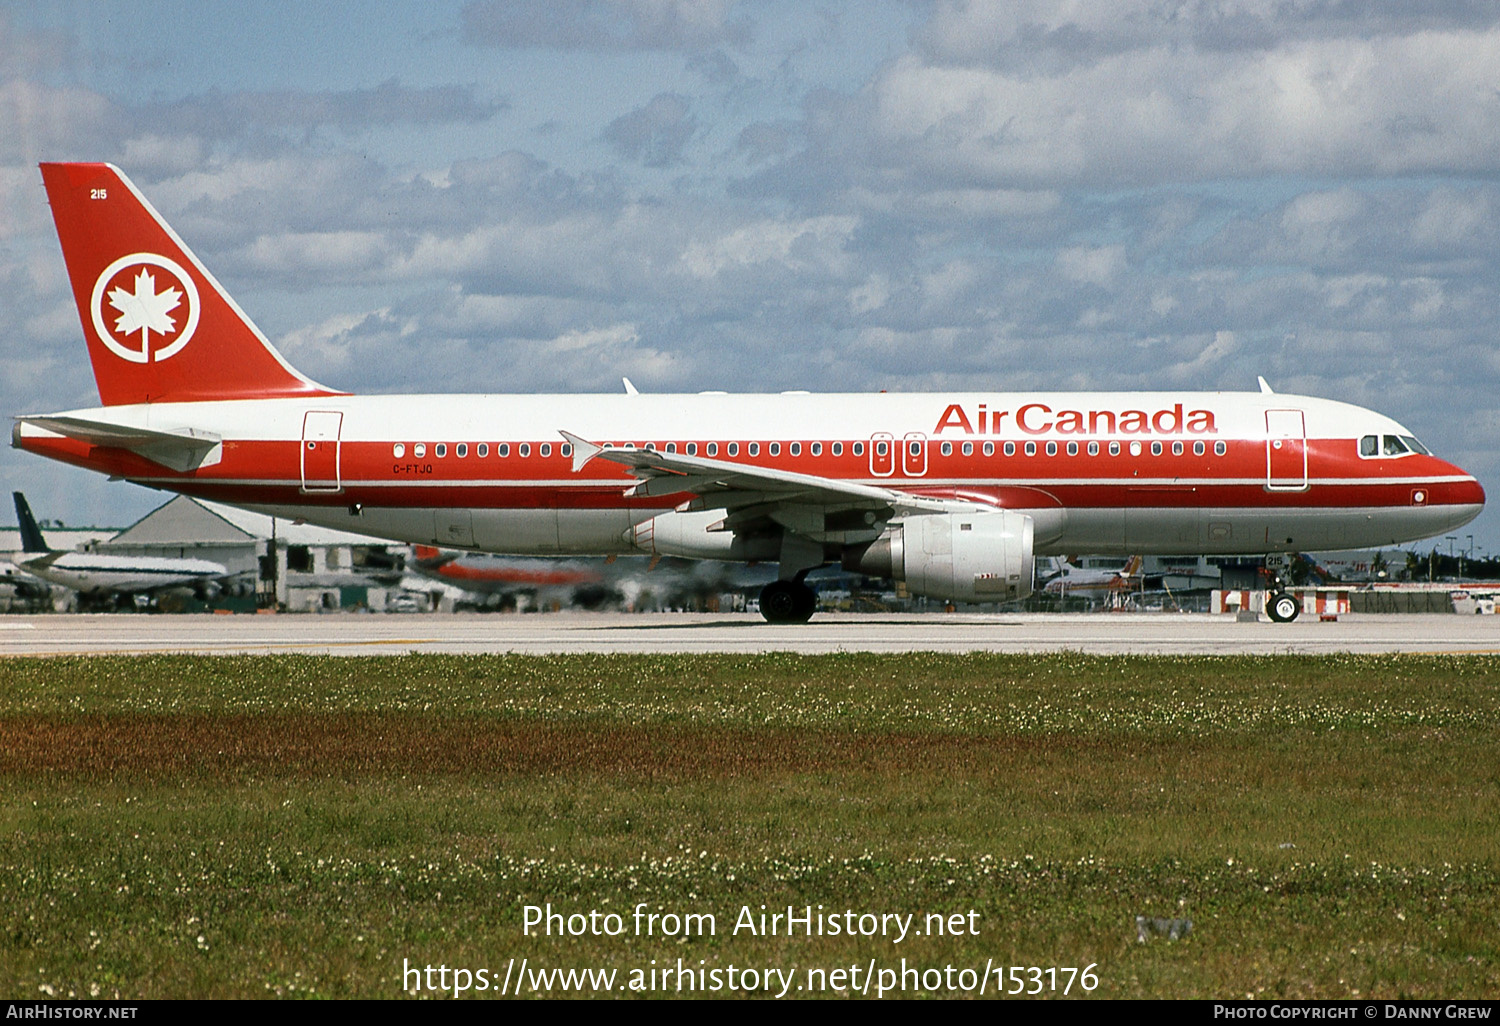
582,451
630,389
1264,387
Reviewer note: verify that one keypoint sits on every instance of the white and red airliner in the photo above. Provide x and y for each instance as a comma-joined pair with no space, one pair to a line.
951,493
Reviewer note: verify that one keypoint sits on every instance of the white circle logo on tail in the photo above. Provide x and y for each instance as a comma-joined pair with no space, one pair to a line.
145,307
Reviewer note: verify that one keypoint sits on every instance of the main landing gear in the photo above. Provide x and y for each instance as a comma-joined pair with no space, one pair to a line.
787,602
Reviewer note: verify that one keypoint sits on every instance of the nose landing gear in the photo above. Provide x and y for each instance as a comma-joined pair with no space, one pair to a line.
1281,607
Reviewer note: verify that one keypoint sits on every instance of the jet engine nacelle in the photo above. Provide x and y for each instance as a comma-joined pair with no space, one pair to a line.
964,557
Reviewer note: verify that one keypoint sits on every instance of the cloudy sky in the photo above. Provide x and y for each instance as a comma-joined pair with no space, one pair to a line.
535,195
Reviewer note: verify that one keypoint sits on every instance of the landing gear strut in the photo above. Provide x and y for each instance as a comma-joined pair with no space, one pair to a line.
1281,607
787,602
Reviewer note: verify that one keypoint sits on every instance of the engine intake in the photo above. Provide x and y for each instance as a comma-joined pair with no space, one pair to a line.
965,557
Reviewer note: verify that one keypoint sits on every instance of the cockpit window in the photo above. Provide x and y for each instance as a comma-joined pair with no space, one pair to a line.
1391,445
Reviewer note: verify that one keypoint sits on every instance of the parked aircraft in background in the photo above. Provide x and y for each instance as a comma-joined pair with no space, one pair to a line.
952,493
1073,580
590,583
102,576
489,577
21,592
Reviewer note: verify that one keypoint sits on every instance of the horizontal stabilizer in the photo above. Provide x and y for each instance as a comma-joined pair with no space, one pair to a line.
182,450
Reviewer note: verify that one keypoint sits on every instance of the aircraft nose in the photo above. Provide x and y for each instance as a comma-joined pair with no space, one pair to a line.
1456,496
1467,492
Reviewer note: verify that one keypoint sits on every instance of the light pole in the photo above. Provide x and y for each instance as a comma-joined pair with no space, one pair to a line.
1450,538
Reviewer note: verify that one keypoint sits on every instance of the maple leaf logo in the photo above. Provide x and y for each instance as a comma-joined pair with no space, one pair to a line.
145,310
151,298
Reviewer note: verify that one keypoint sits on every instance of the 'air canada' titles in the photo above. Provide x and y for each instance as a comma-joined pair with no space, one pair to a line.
1041,419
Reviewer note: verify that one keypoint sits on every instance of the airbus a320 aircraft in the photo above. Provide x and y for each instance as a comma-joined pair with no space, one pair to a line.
951,493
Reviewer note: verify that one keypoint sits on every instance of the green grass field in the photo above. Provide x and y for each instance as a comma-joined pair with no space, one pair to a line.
259,826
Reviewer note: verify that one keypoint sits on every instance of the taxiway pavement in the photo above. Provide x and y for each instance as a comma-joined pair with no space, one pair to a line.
374,634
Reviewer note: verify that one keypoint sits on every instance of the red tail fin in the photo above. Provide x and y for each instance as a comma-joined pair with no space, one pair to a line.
159,327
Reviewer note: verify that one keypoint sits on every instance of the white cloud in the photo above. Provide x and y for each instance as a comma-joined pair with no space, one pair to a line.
1092,265
614,336
872,295
815,241
1382,105
333,254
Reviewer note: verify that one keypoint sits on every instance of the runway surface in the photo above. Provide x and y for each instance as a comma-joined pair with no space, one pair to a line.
374,634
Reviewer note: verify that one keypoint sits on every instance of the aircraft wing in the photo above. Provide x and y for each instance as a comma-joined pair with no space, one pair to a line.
178,450
743,487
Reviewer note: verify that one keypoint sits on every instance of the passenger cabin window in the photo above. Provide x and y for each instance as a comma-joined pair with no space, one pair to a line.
567,450
1072,448
713,448
462,449
1093,448
1010,448
989,448
440,450
775,448
692,448
947,449
1135,448
484,449
968,448
503,449
398,450
796,448
859,449
1031,448
1176,448
671,447
754,449
1114,448
1198,448
419,450
734,448
1220,448
1051,448
546,449
1156,448
524,449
